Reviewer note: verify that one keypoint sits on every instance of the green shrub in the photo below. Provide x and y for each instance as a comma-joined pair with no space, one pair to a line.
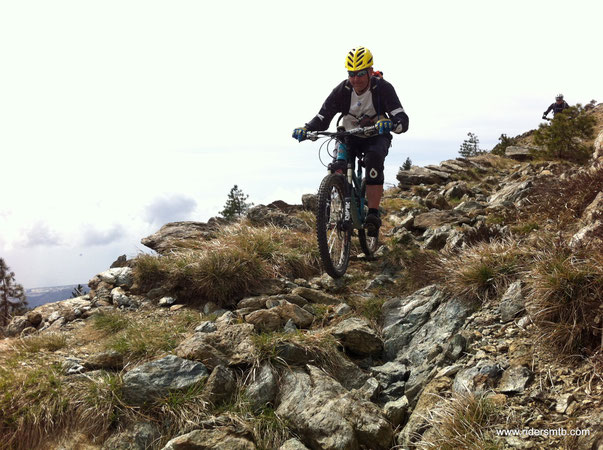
504,142
563,137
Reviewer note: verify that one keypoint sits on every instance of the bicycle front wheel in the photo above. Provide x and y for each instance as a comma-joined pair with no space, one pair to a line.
333,239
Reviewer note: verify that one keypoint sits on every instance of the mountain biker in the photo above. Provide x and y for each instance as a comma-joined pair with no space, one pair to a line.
364,99
556,107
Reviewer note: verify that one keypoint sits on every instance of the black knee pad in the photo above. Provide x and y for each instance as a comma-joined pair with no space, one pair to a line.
373,163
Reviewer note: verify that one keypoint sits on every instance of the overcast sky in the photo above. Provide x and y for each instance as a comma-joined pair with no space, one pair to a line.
117,117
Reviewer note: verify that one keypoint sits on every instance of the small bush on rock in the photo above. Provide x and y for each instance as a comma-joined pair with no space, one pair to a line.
564,137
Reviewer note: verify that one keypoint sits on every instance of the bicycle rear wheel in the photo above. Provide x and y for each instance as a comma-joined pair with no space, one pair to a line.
333,240
368,244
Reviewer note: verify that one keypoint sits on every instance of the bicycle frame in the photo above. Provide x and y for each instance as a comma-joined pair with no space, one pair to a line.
353,187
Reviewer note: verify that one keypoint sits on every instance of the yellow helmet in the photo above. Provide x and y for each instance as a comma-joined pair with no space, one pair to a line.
359,58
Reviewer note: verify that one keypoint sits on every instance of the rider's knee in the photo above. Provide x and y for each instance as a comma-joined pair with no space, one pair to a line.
374,176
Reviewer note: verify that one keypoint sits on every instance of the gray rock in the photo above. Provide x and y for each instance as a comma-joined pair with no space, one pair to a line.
206,327
230,345
119,276
269,286
358,337
397,411
156,378
477,380
119,296
391,372
167,301
293,444
17,325
512,302
420,175
342,309
310,202
211,439
325,415
220,385
563,402
171,236
471,207
262,215
515,380
290,327
511,193
140,436
418,328
263,388
518,153
588,234
369,390
316,296
435,218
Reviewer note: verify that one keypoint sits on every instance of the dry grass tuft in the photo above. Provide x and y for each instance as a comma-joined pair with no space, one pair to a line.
230,265
46,341
482,271
464,421
38,403
563,200
565,292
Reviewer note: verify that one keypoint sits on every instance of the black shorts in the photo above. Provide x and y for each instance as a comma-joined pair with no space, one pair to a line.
374,149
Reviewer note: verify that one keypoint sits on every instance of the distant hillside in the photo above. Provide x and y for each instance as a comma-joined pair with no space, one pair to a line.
43,295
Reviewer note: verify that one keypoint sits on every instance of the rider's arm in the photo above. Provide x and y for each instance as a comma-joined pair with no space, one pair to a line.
550,108
331,106
394,107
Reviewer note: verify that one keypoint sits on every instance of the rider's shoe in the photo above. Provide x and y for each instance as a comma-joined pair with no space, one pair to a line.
372,224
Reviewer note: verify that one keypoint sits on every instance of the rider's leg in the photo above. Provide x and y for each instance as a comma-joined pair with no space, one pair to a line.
375,153
374,192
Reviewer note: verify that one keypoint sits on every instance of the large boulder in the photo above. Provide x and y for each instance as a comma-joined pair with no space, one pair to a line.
421,175
510,194
229,345
174,235
422,330
358,337
156,378
262,215
212,439
437,218
326,415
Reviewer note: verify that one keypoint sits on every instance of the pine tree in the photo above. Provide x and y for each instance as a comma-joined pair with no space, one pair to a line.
78,291
407,164
12,295
470,147
565,137
236,204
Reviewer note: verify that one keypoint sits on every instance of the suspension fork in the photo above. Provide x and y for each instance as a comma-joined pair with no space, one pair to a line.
348,185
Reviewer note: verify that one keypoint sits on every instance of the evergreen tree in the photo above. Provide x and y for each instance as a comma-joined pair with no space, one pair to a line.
504,141
470,147
12,295
564,137
78,291
407,164
236,204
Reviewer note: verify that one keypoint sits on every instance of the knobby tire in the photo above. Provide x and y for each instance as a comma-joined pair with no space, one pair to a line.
333,241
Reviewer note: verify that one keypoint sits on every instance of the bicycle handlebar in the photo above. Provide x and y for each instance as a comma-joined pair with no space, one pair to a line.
366,131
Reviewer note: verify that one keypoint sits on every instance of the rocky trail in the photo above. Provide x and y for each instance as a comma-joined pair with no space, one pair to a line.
439,342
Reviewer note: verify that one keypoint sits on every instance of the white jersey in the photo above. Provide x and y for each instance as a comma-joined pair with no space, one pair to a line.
361,107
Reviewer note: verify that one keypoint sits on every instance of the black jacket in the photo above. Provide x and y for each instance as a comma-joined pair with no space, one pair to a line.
556,108
385,101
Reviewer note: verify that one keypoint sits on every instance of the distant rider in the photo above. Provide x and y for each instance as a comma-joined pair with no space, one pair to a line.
556,107
364,99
